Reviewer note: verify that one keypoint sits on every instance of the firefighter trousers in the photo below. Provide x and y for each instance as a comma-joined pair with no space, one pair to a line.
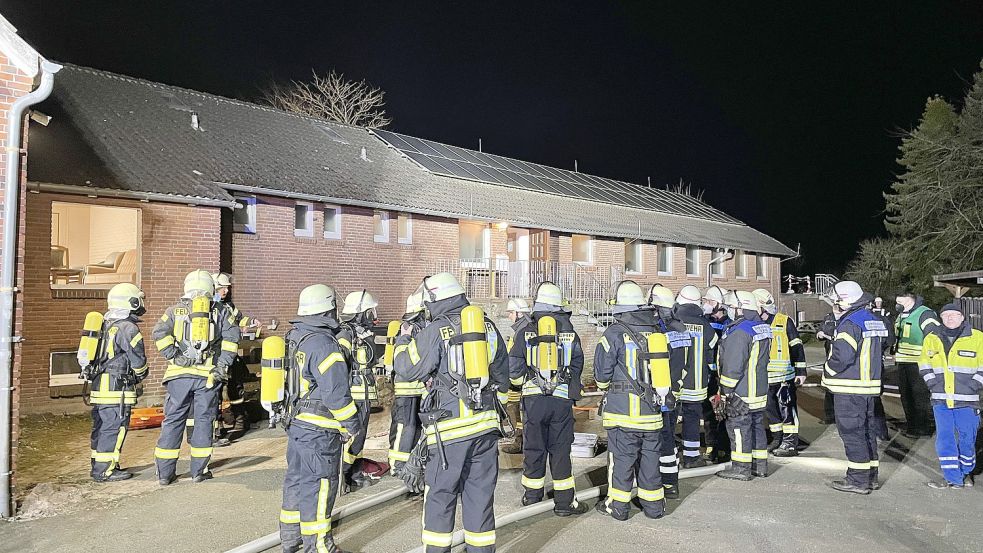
749,441
309,488
915,399
715,431
547,436
783,418
692,412
351,464
404,430
633,459
856,425
109,425
668,458
471,474
182,394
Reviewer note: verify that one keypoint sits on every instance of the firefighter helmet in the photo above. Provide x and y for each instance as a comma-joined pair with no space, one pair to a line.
660,296
550,294
359,302
518,305
198,283
316,299
689,295
627,293
125,296
440,287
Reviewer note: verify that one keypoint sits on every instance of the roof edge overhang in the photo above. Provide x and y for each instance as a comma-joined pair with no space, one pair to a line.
96,192
250,189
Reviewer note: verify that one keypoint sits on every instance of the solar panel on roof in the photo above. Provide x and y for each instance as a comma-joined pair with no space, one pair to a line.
453,161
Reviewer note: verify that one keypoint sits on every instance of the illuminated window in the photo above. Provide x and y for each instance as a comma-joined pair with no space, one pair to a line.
404,228
761,265
692,261
380,224
475,241
94,246
581,248
665,259
304,219
633,257
332,222
717,267
740,264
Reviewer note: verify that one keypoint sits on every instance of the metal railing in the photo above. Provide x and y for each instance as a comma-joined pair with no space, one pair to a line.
823,283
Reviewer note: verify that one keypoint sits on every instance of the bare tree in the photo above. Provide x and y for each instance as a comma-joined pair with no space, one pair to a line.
334,98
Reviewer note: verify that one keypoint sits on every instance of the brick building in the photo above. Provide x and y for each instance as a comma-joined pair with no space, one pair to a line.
138,181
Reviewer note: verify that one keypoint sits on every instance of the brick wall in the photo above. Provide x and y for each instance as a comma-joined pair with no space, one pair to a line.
176,239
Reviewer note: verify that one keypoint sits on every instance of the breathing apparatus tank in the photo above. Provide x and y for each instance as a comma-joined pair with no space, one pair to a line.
391,333
201,326
658,368
89,344
547,350
273,375
470,352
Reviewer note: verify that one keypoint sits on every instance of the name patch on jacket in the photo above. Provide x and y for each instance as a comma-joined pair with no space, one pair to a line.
678,339
761,332
874,329
966,353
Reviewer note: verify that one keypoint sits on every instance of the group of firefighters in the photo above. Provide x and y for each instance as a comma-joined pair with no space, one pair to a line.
730,360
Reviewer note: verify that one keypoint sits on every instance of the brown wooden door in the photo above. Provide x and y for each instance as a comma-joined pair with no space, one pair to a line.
539,245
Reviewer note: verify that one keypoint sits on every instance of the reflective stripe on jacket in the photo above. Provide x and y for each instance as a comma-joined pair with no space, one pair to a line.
615,359
911,329
172,336
954,373
854,365
743,360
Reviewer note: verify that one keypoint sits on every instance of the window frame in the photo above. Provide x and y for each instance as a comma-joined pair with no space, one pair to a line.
718,265
667,248
638,246
590,249
485,231
249,205
696,263
308,231
81,289
408,239
331,235
740,265
761,266
385,219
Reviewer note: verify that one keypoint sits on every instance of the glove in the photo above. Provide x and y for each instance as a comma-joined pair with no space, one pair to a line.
719,404
799,381
221,374
182,361
415,467
669,402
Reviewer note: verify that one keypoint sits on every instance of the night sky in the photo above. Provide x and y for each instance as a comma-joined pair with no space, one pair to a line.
785,116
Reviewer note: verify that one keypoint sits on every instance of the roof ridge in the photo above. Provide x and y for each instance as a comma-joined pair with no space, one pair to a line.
206,95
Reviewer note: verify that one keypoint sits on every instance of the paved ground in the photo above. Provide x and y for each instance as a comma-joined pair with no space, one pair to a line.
792,510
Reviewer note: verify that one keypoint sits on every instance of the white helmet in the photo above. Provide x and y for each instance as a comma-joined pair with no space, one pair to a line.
717,294
198,283
222,280
125,296
359,302
627,292
316,299
739,299
660,296
518,305
549,294
844,294
764,297
689,295
414,304
440,287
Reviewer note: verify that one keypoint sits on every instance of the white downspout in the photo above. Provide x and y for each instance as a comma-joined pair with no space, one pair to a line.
11,218
727,254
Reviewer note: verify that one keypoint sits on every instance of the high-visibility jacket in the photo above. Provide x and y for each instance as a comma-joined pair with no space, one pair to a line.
428,352
699,356
615,360
324,399
855,364
953,370
524,358
401,360
363,378
172,336
787,358
123,364
911,328
743,360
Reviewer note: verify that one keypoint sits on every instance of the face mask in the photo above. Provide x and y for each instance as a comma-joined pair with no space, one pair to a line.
216,297
139,311
732,313
707,309
665,313
899,308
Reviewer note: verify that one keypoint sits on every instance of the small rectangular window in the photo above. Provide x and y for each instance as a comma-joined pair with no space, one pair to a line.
633,257
692,261
474,239
717,267
404,228
581,247
665,259
244,217
332,222
740,264
304,219
761,265
380,224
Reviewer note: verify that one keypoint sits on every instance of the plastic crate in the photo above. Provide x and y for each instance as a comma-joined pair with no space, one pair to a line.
584,445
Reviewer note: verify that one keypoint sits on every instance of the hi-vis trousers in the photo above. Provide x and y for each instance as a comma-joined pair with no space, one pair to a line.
182,393
404,430
634,457
106,441
749,442
856,425
548,436
309,488
351,458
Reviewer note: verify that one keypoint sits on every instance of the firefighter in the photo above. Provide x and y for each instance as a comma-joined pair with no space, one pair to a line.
404,431
631,365
952,367
235,388
518,311
200,340
463,356
743,365
718,447
914,322
661,300
786,372
358,317
827,329
696,376
116,366
853,374
321,418
546,360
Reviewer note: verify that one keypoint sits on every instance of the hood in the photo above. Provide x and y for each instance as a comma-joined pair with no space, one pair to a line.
520,322
449,305
749,315
545,307
689,310
120,314
637,318
560,315
867,298
316,322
